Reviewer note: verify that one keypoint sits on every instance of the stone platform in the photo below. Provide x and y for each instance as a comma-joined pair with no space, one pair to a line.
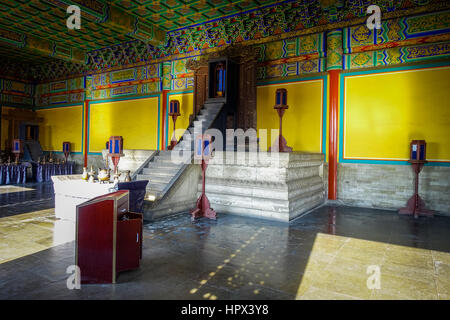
278,186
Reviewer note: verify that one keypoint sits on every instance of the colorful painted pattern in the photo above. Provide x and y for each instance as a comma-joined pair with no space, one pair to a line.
283,29
59,92
434,26
393,56
290,69
132,81
16,93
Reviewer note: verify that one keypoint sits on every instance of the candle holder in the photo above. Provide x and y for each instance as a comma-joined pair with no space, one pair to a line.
281,106
174,112
203,151
115,151
17,149
66,149
415,205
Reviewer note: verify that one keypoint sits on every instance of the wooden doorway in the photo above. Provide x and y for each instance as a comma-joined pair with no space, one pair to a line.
243,111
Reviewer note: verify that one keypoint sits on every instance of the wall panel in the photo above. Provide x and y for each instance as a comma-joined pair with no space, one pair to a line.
61,124
382,112
135,119
186,105
303,122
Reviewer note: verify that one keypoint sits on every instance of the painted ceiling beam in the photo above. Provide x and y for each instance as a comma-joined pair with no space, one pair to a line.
41,46
135,27
115,18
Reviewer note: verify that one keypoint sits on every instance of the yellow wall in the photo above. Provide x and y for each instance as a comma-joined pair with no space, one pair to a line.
384,112
186,107
136,120
302,122
59,125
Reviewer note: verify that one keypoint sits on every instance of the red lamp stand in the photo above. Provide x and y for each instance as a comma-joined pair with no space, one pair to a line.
280,106
203,152
17,148
66,149
174,113
115,150
415,205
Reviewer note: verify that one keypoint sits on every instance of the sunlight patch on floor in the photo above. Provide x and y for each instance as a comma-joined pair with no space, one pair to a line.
11,189
338,269
28,233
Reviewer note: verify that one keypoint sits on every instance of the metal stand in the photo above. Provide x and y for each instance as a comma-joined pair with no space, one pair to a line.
203,208
415,205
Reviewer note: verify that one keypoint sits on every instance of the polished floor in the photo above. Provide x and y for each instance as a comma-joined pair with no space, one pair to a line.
332,253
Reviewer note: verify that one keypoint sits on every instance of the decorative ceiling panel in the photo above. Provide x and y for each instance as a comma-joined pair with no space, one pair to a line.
174,14
112,38
43,20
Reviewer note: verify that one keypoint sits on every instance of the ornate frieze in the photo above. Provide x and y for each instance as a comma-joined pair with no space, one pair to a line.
397,55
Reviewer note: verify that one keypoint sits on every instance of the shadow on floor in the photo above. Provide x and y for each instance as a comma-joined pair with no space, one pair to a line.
231,258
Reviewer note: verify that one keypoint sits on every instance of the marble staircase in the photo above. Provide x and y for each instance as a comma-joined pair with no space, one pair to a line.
34,148
161,170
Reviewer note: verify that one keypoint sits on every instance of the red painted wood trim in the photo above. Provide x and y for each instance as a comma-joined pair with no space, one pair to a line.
333,123
164,122
86,113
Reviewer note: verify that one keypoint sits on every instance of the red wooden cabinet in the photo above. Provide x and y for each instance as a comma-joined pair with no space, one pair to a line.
108,238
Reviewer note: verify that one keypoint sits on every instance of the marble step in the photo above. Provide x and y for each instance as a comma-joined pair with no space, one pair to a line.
206,118
185,147
160,171
212,106
164,154
156,186
153,178
165,161
163,166
152,195
186,143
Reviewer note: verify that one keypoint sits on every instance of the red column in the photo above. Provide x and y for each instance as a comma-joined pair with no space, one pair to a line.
164,122
86,126
333,136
